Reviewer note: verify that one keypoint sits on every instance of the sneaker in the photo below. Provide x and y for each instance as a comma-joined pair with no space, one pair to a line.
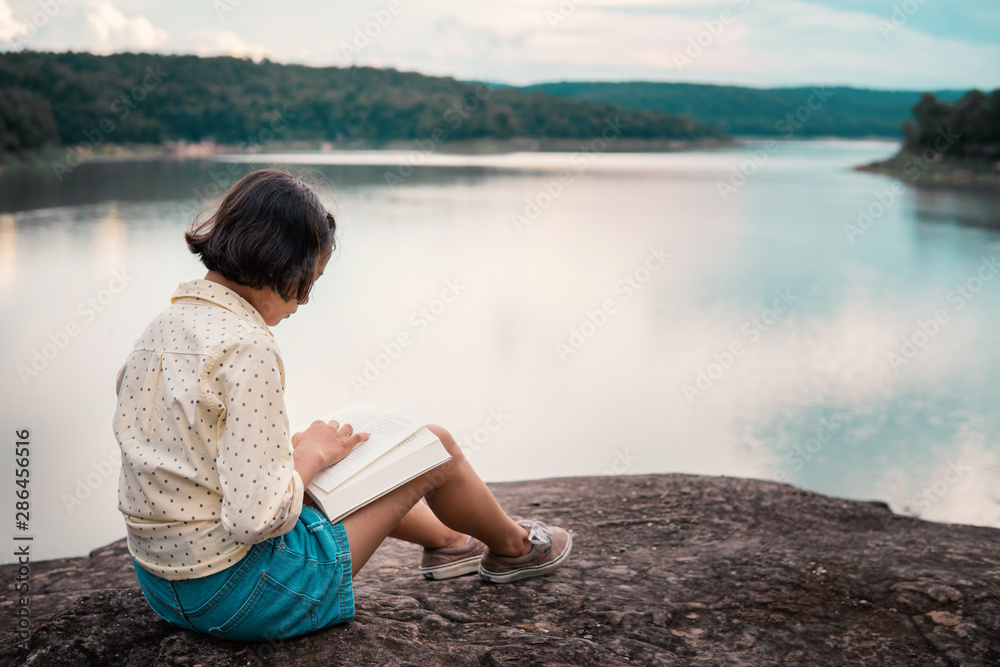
550,548
449,562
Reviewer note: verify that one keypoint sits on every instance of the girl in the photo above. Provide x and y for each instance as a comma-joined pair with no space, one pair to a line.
212,480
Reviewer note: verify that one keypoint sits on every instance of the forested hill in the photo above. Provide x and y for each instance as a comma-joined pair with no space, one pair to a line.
837,111
66,98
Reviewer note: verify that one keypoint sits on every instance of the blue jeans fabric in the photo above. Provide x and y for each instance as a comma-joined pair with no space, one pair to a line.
283,587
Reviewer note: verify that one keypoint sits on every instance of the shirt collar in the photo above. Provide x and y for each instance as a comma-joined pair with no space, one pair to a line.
220,295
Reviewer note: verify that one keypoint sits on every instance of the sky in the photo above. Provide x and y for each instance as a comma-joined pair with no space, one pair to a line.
885,44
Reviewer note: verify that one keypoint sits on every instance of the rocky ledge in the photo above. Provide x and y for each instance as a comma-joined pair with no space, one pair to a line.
666,570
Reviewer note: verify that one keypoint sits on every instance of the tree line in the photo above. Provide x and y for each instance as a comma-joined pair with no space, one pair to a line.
738,110
66,98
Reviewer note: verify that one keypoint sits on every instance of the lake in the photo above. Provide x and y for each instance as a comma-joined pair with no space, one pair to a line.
742,311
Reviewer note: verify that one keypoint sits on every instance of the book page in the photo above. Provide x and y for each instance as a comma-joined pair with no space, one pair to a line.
358,415
418,438
387,431
417,454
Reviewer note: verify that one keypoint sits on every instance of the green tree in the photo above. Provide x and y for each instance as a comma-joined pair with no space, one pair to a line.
26,121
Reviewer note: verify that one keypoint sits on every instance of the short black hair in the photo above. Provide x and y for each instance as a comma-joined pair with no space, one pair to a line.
268,231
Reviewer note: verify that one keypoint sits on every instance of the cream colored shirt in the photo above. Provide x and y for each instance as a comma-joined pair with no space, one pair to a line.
207,466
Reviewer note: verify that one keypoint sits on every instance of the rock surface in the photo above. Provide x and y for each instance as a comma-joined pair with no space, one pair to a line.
666,570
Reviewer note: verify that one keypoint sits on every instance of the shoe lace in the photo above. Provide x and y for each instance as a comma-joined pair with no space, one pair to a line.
538,531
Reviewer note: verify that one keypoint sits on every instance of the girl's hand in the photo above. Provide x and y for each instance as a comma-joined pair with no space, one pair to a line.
330,441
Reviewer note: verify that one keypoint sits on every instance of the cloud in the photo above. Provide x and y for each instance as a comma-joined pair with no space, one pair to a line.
782,42
223,43
10,27
113,31
785,42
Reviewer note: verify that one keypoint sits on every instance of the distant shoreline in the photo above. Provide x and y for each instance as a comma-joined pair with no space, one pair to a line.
911,168
209,150
44,157
949,172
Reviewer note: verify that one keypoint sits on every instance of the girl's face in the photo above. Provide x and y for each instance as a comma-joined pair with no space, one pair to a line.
274,309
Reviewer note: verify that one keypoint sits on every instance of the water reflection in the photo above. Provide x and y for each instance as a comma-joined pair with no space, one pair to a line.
976,208
8,254
186,182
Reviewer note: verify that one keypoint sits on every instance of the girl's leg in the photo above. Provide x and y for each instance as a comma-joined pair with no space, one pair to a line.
457,497
420,526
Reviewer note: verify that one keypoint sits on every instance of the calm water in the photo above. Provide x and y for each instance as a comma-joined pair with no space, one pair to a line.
559,328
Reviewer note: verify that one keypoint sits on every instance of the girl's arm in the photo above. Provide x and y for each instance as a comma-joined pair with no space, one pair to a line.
263,473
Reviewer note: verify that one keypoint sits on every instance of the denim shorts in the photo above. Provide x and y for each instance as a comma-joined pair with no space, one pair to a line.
283,587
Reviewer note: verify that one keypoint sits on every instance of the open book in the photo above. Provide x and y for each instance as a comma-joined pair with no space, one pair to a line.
399,449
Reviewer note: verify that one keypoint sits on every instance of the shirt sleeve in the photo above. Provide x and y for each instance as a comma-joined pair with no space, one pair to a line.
261,491
119,378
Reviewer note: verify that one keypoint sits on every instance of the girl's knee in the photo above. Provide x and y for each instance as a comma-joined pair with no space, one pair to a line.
439,431
450,445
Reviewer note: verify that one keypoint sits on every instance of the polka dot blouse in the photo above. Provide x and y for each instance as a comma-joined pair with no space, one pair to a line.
207,466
